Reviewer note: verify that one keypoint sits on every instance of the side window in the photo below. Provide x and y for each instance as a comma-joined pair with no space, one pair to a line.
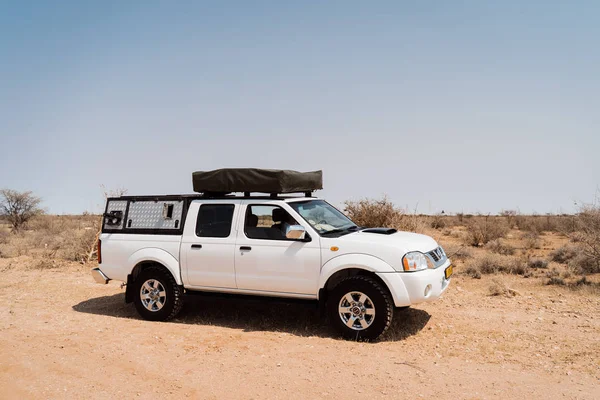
267,222
214,220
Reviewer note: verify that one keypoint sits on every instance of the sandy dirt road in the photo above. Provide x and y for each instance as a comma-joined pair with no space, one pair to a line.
63,336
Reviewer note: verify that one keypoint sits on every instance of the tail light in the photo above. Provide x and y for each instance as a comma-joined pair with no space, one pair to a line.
99,251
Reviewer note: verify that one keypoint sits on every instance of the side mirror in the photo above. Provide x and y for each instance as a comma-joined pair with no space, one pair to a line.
296,232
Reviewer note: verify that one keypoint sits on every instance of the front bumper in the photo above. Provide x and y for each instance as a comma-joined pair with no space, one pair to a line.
408,288
99,276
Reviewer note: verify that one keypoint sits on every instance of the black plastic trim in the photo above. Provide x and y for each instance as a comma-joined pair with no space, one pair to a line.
381,231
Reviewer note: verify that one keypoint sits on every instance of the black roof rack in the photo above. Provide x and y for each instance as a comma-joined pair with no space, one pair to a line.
199,196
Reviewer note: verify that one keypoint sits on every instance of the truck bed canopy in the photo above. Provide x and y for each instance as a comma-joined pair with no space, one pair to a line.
227,180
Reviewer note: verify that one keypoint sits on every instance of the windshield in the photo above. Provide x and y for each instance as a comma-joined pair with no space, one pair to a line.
323,217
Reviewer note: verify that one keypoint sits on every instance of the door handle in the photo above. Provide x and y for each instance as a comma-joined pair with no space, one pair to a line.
245,248
196,246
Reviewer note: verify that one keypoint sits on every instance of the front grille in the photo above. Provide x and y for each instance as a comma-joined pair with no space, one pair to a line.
437,255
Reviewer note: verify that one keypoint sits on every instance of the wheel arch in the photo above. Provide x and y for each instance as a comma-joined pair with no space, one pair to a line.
153,256
145,258
341,267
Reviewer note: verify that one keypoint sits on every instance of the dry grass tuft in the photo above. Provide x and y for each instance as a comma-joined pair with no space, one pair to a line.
556,280
499,246
497,287
537,263
491,263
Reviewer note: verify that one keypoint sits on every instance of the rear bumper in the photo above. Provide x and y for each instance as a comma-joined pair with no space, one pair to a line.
99,276
409,288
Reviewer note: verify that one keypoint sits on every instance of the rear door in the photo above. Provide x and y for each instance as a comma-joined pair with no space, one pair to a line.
265,260
208,244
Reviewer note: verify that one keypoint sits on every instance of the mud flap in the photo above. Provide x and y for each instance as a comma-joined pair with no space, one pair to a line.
129,290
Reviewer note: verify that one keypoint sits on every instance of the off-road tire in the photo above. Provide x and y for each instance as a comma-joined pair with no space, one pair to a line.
380,297
174,294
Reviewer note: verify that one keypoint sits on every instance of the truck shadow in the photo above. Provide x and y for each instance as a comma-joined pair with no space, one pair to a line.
250,315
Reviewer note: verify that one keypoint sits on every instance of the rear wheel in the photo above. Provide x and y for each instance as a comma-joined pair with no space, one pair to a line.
157,297
360,308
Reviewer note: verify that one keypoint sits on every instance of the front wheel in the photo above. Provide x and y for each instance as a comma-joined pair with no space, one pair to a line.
157,297
360,308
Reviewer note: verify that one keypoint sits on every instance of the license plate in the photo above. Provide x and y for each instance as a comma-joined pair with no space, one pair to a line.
448,272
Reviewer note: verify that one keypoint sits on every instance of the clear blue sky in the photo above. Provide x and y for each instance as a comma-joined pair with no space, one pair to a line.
456,105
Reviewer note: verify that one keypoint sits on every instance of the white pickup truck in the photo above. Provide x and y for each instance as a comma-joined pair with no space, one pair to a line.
274,245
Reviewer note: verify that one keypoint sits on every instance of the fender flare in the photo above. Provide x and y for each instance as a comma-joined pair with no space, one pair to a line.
368,263
157,255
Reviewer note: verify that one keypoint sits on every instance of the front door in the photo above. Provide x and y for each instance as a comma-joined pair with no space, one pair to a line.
208,244
265,260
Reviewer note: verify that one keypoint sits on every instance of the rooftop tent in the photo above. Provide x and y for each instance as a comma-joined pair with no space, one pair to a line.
229,180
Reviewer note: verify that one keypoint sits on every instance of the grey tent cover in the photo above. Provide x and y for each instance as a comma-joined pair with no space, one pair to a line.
229,180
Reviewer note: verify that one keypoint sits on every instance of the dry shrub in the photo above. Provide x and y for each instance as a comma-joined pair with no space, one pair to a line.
531,240
584,263
539,223
582,283
45,263
456,252
15,245
537,263
4,239
55,237
566,224
491,263
552,273
556,280
484,228
510,216
409,222
499,246
473,272
78,245
564,254
497,287
587,238
372,213
438,222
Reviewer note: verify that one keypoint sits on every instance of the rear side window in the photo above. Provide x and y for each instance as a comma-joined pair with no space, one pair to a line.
214,220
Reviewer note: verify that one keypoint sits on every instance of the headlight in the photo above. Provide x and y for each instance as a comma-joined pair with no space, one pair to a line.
415,261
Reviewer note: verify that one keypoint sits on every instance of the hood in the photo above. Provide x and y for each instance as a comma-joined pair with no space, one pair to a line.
406,241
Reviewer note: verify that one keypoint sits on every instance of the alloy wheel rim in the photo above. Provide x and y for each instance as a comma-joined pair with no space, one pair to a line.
356,310
153,295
